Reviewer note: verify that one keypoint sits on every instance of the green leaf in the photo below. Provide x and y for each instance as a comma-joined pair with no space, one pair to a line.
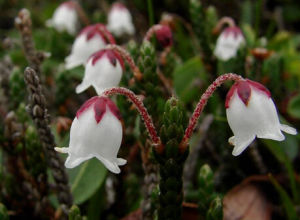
74,213
215,210
249,34
188,79
3,212
294,106
286,200
290,146
281,41
86,179
277,149
96,204
246,16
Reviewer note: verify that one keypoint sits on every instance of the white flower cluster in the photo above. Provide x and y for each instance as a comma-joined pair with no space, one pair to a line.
97,131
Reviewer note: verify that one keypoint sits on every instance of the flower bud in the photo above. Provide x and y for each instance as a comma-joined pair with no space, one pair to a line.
228,43
103,70
89,40
164,35
120,20
252,113
65,18
96,131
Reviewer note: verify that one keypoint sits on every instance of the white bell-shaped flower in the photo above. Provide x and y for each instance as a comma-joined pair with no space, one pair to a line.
103,70
65,18
120,20
228,43
90,40
251,113
96,131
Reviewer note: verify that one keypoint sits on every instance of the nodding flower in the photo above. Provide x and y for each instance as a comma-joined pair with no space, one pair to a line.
91,39
228,43
103,70
65,18
163,34
96,131
251,113
120,20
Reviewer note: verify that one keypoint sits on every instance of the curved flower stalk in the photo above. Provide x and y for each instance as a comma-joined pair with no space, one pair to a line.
91,39
120,20
230,40
96,131
250,112
103,70
162,33
65,18
223,21
142,110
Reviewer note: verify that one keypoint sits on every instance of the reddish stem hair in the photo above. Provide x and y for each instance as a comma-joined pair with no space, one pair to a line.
107,35
151,31
224,20
140,107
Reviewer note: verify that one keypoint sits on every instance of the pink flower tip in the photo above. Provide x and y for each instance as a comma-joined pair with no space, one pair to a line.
92,30
110,54
100,104
243,89
118,6
235,31
69,4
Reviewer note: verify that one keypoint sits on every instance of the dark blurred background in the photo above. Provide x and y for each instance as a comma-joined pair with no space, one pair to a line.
285,12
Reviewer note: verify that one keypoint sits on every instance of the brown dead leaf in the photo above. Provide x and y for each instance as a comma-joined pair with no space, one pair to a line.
246,202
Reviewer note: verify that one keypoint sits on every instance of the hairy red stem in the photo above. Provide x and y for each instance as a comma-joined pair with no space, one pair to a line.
151,31
224,20
107,35
82,15
201,104
140,107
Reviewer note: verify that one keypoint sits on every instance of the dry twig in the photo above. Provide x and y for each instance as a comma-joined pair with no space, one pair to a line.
35,191
6,68
40,117
24,24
